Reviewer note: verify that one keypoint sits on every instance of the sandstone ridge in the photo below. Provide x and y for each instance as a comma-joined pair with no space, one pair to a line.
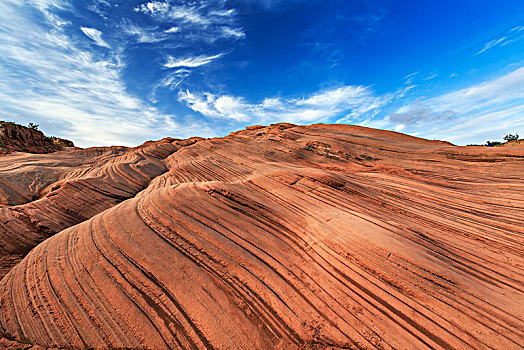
18,138
284,237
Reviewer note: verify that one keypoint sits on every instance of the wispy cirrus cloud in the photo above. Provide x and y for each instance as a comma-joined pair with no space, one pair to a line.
320,106
184,26
52,76
100,8
95,35
512,35
49,78
203,15
232,33
174,79
465,115
191,62
462,116
144,34
495,92
431,76
99,81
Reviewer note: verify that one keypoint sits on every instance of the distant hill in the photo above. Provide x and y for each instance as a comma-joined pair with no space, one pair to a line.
19,138
514,143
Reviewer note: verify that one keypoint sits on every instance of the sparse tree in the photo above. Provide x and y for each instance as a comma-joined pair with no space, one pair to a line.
33,126
493,143
511,137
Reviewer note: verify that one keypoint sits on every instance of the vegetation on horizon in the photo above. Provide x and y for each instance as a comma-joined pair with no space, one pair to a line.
33,126
511,137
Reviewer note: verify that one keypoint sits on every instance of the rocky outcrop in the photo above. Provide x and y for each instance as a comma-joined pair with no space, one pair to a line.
44,194
514,143
18,138
287,237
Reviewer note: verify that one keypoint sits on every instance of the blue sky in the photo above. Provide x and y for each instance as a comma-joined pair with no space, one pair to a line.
110,72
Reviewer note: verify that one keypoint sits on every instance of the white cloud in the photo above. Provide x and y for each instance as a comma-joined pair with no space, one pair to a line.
167,10
490,93
46,77
99,7
184,25
143,34
511,36
320,106
209,105
491,44
188,14
208,20
410,76
223,13
173,80
233,33
154,7
431,76
172,30
491,107
95,35
347,95
468,115
399,127
191,62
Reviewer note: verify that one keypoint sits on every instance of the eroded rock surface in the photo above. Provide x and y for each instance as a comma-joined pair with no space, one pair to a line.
18,138
325,236
41,195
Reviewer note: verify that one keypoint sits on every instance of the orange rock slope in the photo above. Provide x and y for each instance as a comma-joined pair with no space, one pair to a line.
286,237
18,138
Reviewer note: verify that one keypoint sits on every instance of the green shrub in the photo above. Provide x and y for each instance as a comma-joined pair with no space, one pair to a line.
493,143
511,137
33,126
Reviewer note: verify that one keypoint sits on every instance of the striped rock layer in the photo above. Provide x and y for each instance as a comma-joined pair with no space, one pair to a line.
284,237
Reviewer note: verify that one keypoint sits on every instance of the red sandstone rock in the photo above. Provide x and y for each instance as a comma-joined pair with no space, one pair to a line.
18,138
325,236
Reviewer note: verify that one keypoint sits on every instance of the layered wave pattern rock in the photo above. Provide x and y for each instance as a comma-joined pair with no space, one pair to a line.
283,237
41,195
18,138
